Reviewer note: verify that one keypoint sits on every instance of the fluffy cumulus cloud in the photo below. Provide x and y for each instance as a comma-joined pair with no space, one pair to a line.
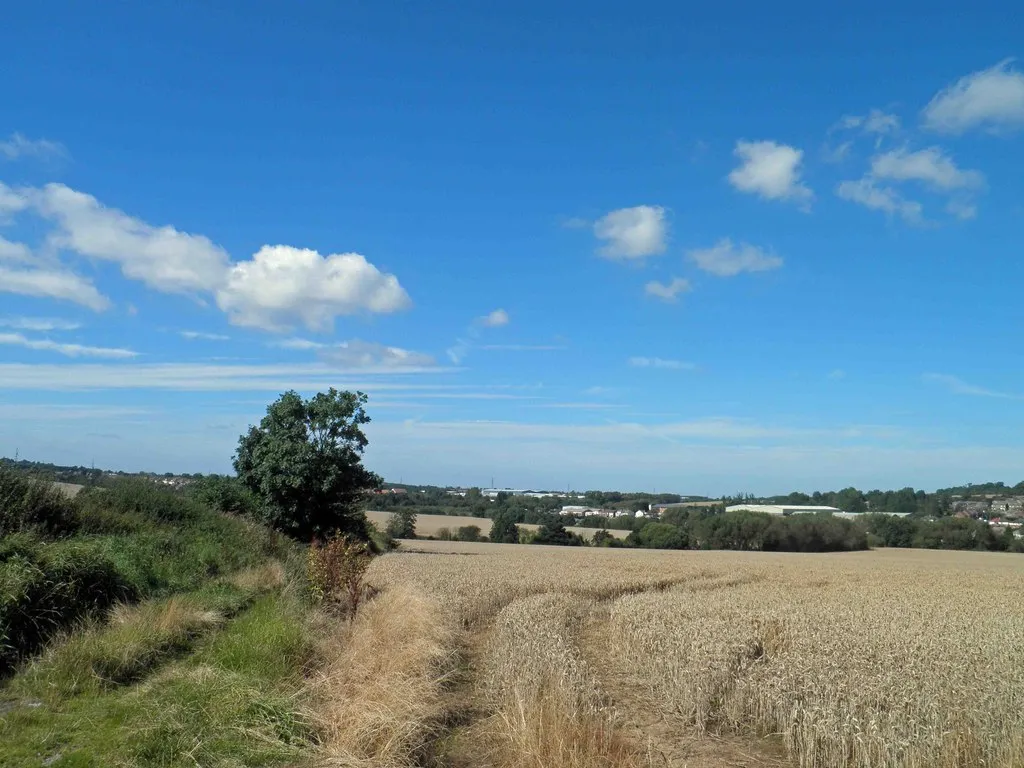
283,286
495,319
68,350
727,259
362,354
669,291
660,362
161,257
633,233
771,171
18,146
279,287
870,194
991,99
930,166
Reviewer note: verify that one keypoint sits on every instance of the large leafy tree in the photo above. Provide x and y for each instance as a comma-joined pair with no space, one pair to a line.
304,461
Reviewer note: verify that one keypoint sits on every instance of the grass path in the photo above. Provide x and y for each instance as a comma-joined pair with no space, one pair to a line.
212,678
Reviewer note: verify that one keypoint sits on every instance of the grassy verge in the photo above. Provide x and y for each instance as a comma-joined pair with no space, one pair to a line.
172,682
123,544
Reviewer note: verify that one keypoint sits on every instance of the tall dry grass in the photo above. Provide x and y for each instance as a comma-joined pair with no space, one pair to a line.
378,697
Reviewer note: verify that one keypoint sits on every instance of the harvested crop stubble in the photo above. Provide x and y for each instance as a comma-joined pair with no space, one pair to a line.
891,659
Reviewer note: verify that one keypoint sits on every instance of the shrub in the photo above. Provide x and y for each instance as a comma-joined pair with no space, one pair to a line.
336,570
141,499
554,532
32,505
402,524
468,533
226,494
44,587
504,529
443,534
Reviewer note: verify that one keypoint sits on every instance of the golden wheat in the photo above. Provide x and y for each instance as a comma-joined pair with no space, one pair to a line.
901,659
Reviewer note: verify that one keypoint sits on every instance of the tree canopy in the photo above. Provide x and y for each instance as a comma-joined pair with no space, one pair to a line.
304,462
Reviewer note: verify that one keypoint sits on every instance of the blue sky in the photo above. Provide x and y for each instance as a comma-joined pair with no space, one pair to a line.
704,250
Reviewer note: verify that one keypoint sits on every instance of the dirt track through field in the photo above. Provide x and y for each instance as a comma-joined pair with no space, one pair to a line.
664,744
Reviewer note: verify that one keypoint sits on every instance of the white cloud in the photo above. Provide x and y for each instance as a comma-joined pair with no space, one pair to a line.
297,343
726,259
659,362
876,122
361,354
991,98
886,199
204,377
203,336
495,319
277,288
838,153
668,292
281,286
881,122
930,166
632,233
70,350
10,202
52,283
17,146
961,209
524,347
17,252
39,324
161,257
770,170
958,386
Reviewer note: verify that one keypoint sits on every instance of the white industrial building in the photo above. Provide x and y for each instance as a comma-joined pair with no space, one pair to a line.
782,509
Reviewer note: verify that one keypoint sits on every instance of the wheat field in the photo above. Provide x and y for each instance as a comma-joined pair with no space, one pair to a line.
597,657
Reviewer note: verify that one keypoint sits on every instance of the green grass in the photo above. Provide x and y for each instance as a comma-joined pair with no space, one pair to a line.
233,700
130,542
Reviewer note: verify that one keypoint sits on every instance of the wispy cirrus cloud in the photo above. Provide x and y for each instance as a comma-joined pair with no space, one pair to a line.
66,349
662,363
17,146
203,336
207,377
524,347
958,386
39,324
